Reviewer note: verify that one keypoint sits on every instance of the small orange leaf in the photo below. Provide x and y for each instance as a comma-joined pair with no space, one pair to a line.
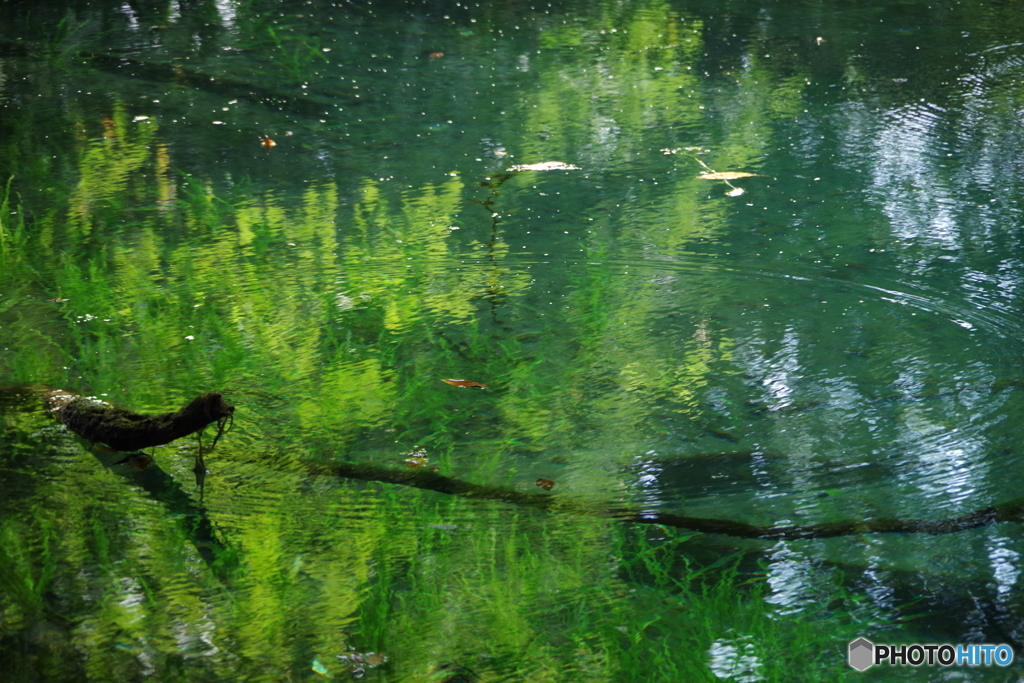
267,142
727,175
436,55
545,484
415,463
465,383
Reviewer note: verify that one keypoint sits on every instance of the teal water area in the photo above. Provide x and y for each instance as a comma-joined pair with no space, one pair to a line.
321,210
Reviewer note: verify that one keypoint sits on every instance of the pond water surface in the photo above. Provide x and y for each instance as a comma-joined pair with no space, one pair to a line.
321,210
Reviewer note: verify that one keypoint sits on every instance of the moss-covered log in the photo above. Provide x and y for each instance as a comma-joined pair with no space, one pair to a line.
99,422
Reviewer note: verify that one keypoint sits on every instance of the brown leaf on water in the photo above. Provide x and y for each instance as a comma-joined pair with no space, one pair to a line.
374,659
356,662
545,484
727,175
415,463
436,55
465,383
267,142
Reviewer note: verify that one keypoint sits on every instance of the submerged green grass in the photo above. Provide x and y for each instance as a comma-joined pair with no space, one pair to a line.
370,256
333,371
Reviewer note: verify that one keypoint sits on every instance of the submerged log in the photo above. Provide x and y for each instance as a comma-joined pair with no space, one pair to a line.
99,422
1012,511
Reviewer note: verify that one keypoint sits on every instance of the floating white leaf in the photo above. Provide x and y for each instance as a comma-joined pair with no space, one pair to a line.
543,166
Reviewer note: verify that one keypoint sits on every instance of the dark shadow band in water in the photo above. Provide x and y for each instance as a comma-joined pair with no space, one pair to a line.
138,469
1012,511
128,66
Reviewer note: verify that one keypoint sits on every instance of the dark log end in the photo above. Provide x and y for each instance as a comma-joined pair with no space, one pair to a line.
99,422
209,407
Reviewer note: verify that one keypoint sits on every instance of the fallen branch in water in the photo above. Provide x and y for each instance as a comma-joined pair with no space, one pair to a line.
99,422
1012,511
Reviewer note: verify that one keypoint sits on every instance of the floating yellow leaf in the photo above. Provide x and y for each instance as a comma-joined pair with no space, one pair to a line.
727,175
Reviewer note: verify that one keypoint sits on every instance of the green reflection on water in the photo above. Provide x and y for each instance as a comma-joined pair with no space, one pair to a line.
790,353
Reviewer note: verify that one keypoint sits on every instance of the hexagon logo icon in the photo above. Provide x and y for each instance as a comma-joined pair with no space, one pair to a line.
862,654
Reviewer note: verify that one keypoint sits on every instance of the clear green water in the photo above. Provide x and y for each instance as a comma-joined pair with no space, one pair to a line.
841,341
